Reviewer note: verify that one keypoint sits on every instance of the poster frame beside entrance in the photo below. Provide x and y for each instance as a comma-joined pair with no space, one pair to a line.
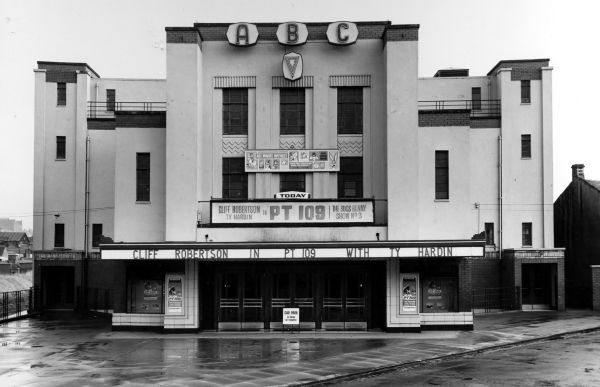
174,295
410,304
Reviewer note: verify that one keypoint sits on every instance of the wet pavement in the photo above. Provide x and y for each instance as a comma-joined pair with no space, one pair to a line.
573,360
87,352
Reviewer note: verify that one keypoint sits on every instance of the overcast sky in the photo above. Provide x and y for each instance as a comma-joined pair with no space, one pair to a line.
126,39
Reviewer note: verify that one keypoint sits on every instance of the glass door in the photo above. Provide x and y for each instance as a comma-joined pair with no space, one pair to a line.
229,301
252,302
280,298
332,313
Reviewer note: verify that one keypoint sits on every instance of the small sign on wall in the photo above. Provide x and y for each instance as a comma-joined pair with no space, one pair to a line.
174,295
291,316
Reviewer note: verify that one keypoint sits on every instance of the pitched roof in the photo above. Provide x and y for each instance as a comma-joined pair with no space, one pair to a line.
594,183
13,236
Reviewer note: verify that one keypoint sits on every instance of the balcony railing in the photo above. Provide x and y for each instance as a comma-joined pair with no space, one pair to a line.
108,109
485,108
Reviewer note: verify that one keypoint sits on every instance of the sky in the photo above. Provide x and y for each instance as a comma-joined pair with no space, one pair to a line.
126,39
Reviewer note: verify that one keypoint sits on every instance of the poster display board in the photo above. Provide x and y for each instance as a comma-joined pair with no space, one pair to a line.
174,295
292,160
291,316
439,295
146,296
408,293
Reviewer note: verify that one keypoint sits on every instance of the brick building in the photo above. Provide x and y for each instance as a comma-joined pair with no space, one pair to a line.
292,165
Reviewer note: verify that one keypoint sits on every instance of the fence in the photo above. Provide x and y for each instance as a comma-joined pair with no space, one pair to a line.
485,300
18,303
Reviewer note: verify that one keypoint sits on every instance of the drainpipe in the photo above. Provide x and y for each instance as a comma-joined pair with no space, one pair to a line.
84,267
500,236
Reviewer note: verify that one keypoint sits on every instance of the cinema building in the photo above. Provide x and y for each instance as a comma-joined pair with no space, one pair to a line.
295,173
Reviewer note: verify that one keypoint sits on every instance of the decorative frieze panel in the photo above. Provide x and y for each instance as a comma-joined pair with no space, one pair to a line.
350,145
235,81
349,80
234,146
291,142
280,82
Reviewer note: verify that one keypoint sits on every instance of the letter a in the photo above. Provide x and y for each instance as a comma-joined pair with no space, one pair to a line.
241,34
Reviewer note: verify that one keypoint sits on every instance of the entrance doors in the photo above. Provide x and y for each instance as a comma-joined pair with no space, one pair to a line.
537,286
329,296
58,287
344,300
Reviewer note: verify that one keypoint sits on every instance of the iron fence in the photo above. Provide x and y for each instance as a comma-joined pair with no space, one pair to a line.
18,304
485,300
107,109
485,108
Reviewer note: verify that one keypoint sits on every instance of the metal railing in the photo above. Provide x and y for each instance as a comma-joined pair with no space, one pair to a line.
485,108
19,303
105,109
485,300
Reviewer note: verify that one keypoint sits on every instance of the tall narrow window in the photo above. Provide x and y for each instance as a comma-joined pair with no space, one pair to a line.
526,234
526,146
292,182
235,179
441,175
489,233
525,91
96,234
235,111
61,93
142,186
61,147
350,177
110,100
476,98
291,111
59,235
350,110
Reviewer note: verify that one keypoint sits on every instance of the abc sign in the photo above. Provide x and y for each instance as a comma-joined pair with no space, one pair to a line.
292,33
242,34
342,33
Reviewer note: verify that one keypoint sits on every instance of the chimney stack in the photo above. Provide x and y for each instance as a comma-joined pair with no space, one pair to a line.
577,171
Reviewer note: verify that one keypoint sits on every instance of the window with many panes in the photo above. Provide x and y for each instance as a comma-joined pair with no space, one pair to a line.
61,93
441,175
350,177
235,179
110,100
526,234
96,234
59,235
292,182
61,147
526,146
476,98
489,233
235,111
291,111
350,110
142,186
525,91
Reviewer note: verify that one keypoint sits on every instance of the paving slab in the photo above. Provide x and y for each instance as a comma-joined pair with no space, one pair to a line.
85,352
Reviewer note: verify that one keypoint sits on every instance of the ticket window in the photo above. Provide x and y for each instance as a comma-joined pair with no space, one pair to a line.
439,295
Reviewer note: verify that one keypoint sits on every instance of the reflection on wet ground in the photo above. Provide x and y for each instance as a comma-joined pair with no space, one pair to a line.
87,352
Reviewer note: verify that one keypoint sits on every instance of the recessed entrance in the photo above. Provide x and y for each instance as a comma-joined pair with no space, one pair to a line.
58,287
538,286
329,296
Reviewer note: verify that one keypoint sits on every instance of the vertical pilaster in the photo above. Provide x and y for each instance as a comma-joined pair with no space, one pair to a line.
39,155
188,153
80,158
547,154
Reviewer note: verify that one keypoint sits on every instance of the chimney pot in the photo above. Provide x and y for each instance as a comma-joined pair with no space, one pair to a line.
577,171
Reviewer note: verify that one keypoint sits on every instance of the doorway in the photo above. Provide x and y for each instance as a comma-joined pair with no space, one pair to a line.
537,286
58,287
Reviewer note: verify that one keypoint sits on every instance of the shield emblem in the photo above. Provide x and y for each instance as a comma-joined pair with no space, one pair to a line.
292,66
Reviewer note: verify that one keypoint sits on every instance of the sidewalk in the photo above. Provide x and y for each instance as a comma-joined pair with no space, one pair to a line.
87,352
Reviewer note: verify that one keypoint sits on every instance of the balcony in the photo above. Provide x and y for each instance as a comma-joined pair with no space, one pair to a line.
472,113
107,110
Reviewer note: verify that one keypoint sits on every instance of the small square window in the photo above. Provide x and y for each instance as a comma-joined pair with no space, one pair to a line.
292,182
61,93
350,110
292,111
442,191
61,147
489,233
526,146
59,235
350,177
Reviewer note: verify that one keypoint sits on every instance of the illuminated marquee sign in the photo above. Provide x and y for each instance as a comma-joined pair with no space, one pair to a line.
292,212
292,160
342,33
354,253
292,33
242,34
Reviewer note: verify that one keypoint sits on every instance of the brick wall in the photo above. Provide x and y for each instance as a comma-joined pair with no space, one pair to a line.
444,118
465,284
485,122
395,33
522,69
486,273
595,269
141,119
188,35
